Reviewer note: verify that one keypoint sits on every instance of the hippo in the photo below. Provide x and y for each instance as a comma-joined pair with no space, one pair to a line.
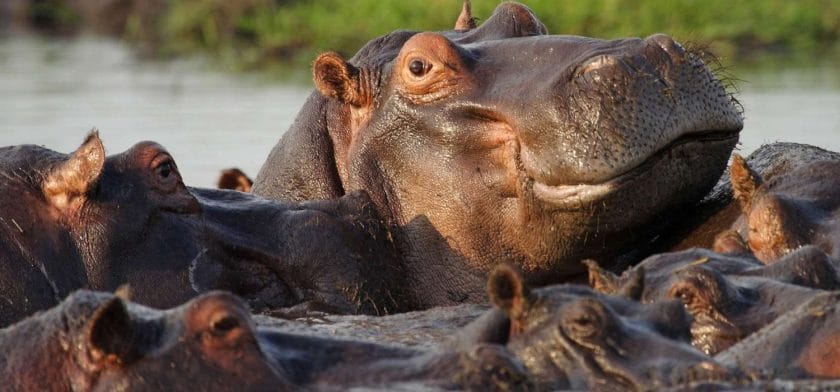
786,210
85,220
102,341
235,179
537,326
729,297
99,341
500,143
803,343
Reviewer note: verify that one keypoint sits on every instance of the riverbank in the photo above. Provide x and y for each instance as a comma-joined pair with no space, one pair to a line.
284,35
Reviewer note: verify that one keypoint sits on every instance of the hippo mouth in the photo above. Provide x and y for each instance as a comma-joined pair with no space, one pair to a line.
578,196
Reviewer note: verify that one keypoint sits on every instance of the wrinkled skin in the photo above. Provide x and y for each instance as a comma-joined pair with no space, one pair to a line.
98,341
334,364
531,323
474,162
86,221
234,179
805,342
785,211
718,221
729,297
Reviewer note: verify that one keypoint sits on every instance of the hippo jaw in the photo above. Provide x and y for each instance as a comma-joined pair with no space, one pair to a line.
643,101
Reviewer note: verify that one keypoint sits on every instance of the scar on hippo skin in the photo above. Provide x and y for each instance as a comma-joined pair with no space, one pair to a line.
234,179
67,183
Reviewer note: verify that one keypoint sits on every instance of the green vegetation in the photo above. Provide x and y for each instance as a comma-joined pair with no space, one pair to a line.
247,34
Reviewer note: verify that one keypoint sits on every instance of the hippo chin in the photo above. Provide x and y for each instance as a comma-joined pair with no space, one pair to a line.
501,143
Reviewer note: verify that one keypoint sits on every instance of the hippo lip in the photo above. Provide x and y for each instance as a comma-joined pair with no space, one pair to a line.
577,196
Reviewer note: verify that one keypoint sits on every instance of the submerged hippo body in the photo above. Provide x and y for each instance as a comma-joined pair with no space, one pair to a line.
85,220
504,144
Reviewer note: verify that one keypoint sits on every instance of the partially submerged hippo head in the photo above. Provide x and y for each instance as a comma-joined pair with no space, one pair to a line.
504,143
569,336
804,342
85,220
785,211
729,297
98,341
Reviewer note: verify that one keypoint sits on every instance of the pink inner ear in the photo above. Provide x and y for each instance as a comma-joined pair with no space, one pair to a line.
74,177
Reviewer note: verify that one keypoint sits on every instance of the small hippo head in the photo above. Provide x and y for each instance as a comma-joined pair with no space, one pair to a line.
98,341
508,143
785,211
556,330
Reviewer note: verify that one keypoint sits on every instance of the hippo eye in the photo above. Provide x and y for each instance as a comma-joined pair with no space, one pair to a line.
164,169
224,324
418,67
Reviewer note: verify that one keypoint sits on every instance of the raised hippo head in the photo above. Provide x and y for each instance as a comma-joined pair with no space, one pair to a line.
85,220
502,143
98,341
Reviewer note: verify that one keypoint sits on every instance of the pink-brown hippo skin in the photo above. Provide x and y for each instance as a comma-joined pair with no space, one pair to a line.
785,210
96,341
234,179
502,143
803,343
84,220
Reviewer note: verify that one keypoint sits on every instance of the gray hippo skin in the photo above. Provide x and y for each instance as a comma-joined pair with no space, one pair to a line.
98,341
95,341
85,220
570,337
502,143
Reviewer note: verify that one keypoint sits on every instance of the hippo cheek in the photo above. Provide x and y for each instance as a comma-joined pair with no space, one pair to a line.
821,357
216,269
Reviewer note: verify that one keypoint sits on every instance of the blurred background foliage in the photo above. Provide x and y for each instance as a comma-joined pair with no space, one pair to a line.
266,34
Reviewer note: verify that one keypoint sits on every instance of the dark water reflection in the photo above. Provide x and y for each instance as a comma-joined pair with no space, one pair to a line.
54,91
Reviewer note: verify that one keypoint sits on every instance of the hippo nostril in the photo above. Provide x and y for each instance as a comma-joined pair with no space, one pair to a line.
672,48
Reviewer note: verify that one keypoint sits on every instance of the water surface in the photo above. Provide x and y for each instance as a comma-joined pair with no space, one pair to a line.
54,91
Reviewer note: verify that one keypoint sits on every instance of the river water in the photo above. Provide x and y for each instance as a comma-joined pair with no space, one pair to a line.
53,91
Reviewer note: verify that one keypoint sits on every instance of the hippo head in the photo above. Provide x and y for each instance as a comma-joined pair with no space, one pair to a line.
509,144
99,341
84,220
785,211
544,328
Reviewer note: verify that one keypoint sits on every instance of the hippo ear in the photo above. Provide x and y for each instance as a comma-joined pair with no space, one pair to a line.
601,280
110,334
745,182
634,285
465,19
73,178
338,79
507,290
